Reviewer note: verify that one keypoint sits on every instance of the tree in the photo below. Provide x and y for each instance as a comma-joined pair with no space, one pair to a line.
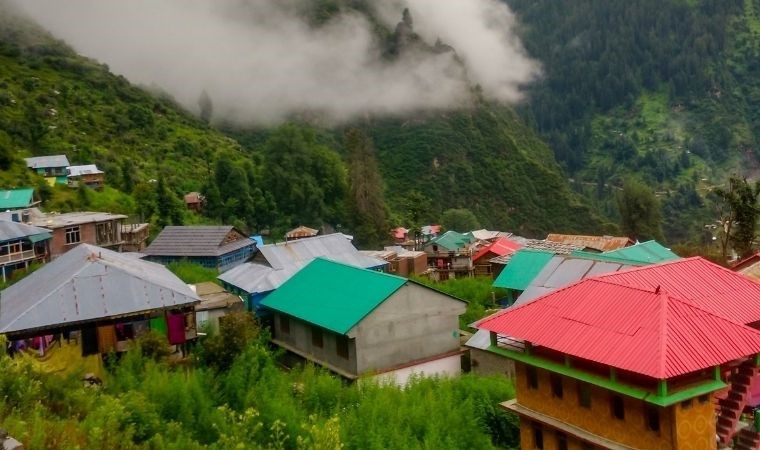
461,219
640,216
738,215
6,152
167,205
207,107
367,214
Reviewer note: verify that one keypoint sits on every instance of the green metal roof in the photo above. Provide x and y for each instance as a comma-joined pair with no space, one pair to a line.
16,198
452,240
523,267
332,295
648,252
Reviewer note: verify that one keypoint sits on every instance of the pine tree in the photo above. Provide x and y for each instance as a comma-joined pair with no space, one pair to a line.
367,213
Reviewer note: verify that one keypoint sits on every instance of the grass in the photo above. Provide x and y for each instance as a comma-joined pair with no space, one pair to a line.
192,273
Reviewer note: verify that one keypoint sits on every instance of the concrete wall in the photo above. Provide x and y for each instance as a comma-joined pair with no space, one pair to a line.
414,323
448,366
483,362
299,337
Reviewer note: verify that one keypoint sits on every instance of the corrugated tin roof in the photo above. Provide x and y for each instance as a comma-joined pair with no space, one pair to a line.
451,240
301,232
58,220
652,332
563,270
196,241
87,169
43,162
430,230
16,198
746,262
13,230
501,247
600,243
647,252
524,265
213,296
332,295
89,283
487,235
285,259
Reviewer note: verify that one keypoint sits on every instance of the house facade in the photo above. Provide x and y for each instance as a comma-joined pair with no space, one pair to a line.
21,245
658,357
52,167
135,236
358,322
74,228
88,175
450,254
216,247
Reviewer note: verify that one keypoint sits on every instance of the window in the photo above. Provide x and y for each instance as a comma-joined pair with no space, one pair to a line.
618,407
341,346
556,382
704,398
686,404
584,395
285,324
316,337
532,377
538,436
652,414
72,235
561,441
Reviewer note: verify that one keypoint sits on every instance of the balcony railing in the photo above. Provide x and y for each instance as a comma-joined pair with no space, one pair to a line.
16,257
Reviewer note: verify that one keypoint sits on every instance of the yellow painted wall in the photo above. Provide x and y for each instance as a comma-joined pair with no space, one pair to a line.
598,419
550,437
695,426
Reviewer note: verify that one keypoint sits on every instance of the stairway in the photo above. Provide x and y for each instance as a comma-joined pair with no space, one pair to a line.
747,439
732,406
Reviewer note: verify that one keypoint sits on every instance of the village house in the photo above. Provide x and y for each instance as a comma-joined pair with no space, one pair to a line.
592,243
274,264
15,199
401,262
215,304
135,236
194,201
300,233
70,229
21,245
216,247
450,254
100,298
661,356
362,323
499,246
88,175
52,167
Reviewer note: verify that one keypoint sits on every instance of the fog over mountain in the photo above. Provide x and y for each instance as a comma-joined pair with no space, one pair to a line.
261,61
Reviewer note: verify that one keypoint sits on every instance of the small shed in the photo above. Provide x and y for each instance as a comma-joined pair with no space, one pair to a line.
217,247
215,303
52,167
13,199
88,175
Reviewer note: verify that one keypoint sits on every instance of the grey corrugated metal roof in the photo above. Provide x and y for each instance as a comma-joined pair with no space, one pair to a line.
196,241
58,220
14,230
88,169
42,162
89,283
288,258
563,270
480,340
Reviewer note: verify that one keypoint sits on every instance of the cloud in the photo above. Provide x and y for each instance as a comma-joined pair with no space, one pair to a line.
261,63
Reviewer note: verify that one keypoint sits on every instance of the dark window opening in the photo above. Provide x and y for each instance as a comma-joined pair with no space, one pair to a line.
538,436
686,404
341,346
284,325
584,395
653,418
618,407
316,337
556,382
587,446
561,441
532,377
704,398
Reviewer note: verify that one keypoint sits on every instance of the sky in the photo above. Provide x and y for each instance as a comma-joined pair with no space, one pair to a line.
261,63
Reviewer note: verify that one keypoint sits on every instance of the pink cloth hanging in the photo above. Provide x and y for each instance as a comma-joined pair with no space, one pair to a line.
176,325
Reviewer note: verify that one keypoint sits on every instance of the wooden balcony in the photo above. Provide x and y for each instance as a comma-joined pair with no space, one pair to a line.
17,257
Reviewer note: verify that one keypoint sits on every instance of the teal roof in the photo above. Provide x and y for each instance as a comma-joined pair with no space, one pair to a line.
332,295
645,252
452,240
523,267
16,198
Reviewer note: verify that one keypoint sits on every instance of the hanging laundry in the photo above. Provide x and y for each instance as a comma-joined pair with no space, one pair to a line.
106,339
141,327
158,324
176,324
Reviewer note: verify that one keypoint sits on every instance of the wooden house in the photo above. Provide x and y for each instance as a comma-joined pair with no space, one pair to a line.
217,247
102,297
450,255
661,356
300,233
401,262
88,175
274,264
215,304
499,246
71,229
592,243
194,201
21,245
52,167
358,322
135,236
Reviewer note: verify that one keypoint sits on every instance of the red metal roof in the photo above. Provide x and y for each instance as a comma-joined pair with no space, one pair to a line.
746,262
500,247
708,285
647,331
